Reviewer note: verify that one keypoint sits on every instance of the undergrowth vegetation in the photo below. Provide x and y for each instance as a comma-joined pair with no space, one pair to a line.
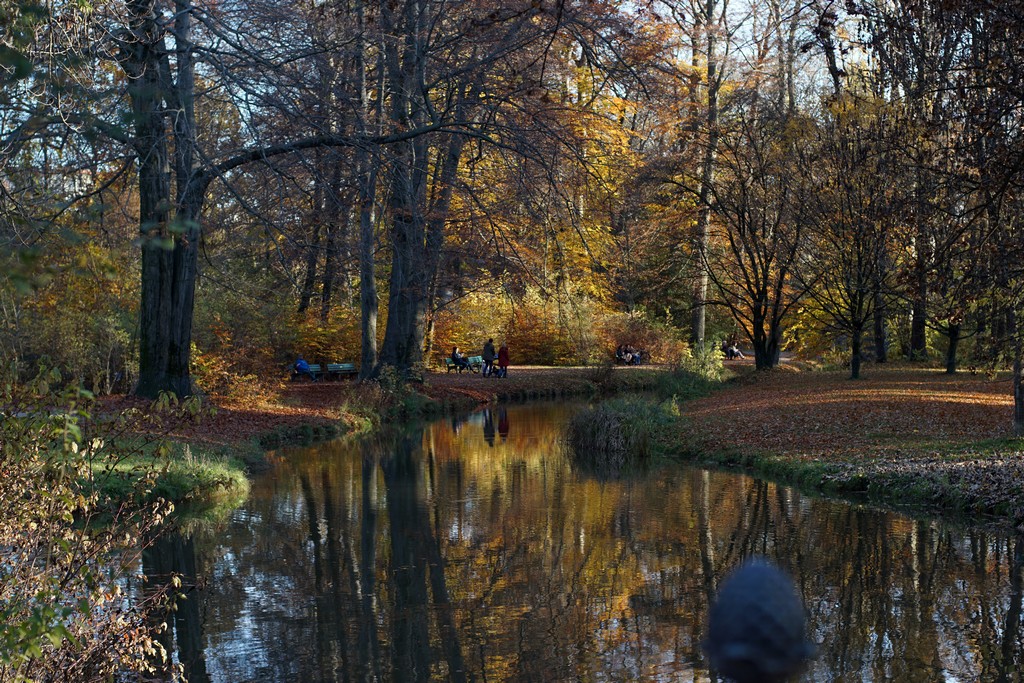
573,329
625,434
199,480
68,545
621,435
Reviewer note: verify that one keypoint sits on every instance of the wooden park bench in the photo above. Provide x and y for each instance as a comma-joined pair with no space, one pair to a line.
339,370
332,371
475,363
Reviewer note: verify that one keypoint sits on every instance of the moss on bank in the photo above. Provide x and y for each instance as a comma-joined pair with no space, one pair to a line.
199,481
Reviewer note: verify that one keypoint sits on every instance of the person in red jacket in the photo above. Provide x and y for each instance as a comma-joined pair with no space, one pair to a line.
503,360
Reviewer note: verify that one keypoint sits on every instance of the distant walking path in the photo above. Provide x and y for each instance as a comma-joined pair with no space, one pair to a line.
535,381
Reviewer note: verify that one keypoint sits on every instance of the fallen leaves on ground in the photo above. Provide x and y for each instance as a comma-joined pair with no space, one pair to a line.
902,429
823,413
300,404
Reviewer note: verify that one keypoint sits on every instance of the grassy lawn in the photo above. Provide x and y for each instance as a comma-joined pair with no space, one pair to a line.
199,481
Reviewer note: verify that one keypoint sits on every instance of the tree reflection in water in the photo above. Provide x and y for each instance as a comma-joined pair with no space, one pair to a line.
435,555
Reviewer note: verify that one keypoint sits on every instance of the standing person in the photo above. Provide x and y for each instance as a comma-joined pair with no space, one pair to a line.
620,353
503,360
489,356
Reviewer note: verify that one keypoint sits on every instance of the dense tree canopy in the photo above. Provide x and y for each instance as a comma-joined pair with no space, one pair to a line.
196,192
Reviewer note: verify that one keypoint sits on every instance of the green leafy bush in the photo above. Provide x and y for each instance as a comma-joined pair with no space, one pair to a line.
705,363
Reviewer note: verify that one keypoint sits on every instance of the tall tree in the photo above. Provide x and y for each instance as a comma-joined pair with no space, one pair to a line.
170,212
758,203
918,48
853,204
711,41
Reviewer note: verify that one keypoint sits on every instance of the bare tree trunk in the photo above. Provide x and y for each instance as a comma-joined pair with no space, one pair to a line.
337,217
438,217
1018,376
922,257
855,351
168,274
698,318
368,304
824,33
700,291
330,266
918,315
403,333
417,229
953,334
760,340
368,166
313,247
145,90
791,48
881,337
407,300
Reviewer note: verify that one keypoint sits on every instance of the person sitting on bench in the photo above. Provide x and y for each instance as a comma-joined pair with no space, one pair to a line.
460,360
302,368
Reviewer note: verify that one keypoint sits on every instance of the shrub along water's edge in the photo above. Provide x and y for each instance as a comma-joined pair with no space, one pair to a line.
199,483
621,435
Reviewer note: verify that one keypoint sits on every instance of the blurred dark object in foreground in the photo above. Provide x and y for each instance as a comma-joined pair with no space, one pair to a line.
756,626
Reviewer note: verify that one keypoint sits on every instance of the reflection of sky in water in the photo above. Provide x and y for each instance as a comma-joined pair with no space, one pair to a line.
238,651
551,575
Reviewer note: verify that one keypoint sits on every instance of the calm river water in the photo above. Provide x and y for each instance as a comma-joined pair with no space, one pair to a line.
469,549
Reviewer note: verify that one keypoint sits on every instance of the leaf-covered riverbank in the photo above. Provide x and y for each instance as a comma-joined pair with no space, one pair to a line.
906,437
230,439
901,436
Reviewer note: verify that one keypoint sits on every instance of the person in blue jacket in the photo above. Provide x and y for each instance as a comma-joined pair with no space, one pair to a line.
302,368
